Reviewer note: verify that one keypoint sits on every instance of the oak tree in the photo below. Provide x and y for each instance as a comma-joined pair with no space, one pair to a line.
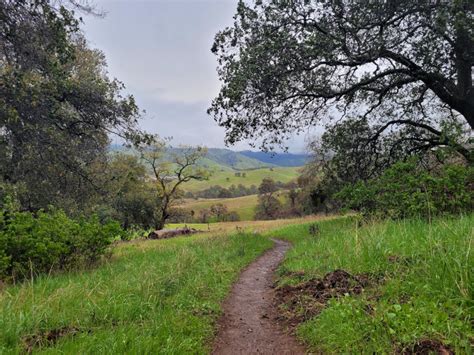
286,65
171,168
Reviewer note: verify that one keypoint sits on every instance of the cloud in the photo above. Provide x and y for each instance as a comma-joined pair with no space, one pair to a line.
161,51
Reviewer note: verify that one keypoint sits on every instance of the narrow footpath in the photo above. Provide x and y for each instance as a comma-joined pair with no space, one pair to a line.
248,324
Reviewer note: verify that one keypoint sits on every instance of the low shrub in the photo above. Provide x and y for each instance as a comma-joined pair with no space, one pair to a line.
406,190
31,244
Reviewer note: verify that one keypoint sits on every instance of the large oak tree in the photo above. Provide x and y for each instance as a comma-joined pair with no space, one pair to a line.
288,64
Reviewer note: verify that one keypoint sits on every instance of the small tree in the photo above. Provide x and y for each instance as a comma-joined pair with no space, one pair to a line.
292,195
132,199
268,205
170,173
220,211
204,215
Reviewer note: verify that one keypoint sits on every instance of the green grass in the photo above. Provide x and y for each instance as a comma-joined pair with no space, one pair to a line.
164,296
429,295
153,296
244,206
225,177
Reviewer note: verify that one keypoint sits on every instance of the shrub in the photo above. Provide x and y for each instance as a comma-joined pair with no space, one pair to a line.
268,207
180,215
233,216
47,241
406,190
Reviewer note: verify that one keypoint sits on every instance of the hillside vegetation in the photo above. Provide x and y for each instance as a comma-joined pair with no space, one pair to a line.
232,160
391,162
226,178
167,294
151,295
244,206
416,279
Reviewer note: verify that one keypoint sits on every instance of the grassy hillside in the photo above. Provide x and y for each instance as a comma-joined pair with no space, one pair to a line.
280,159
167,294
234,160
419,291
151,295
244,206
225,177
216,158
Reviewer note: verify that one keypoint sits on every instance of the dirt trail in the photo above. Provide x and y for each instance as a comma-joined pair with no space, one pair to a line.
248,325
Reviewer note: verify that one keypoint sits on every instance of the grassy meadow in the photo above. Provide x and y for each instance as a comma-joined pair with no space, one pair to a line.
226,177
425,288
253,227
165,295
151,295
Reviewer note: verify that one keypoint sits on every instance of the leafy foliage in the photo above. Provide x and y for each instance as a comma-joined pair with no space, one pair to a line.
406,190
131,198
268,205
285,65
31,244
57,107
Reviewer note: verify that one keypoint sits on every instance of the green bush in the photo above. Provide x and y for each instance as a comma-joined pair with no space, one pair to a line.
31,244
406,190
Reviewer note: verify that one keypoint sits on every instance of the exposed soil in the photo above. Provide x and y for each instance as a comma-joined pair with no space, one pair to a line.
47,338
306,300
428,346
249,324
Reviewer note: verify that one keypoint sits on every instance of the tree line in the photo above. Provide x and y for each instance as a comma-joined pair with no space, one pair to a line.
63,197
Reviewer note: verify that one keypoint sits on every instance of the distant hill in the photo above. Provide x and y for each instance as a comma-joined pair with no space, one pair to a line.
229,160
235,160
279,159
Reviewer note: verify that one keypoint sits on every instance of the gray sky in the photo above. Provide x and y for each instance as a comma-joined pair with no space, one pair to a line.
160,49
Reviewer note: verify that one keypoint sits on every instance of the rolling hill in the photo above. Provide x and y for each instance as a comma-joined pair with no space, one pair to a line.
245,160
279,159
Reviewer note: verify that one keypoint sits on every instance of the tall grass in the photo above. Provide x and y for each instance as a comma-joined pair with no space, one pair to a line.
426,292
153,296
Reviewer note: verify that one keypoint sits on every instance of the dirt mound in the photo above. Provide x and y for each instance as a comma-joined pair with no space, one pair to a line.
47,338
171,233
304,301
428,346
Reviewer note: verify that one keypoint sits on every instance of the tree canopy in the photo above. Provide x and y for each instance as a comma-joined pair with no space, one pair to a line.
57,104
285,65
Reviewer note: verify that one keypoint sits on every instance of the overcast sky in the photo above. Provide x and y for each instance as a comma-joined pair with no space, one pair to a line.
160,49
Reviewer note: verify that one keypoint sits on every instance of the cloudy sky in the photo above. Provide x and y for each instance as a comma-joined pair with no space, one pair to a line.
160,49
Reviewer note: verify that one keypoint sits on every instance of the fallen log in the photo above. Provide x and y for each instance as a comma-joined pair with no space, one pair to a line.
171,233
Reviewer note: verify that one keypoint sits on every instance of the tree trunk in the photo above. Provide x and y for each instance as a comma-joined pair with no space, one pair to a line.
464,52
163,213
